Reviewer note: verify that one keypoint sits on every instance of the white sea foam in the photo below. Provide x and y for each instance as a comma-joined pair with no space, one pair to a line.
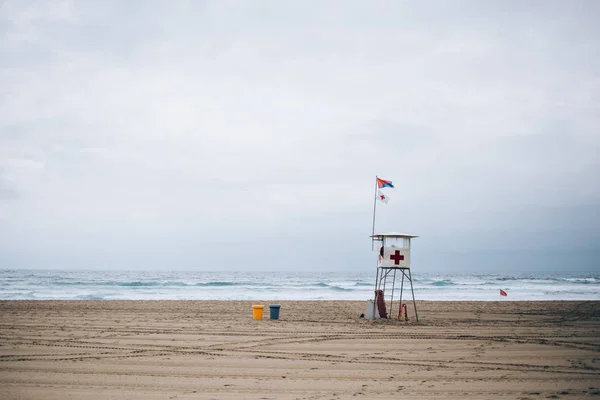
191,285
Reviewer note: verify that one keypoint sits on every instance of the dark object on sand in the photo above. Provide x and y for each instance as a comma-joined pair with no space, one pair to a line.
380,304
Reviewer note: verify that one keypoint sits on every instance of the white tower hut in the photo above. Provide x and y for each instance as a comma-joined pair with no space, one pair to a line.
393,257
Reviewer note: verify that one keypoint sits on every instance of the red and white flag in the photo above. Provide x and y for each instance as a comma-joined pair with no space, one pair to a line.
502,292
382,197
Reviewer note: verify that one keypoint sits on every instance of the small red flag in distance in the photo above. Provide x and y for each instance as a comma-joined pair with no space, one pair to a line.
502,292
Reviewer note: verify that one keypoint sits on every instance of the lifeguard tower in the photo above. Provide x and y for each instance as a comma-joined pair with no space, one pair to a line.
393,257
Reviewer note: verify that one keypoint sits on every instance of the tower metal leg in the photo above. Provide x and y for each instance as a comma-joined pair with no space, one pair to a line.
401,288
384,284
413,295
392,297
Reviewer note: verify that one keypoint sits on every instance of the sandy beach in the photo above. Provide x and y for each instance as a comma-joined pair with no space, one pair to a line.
316,350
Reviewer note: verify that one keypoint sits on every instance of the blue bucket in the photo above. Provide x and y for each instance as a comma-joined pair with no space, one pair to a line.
274,310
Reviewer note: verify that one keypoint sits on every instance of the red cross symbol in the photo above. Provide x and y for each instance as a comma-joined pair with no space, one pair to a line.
397,257
382,197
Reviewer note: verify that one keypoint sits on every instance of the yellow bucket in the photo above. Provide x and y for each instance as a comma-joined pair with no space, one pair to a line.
257,312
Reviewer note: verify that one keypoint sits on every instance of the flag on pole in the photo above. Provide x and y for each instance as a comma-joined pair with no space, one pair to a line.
381,183
502,293
382,197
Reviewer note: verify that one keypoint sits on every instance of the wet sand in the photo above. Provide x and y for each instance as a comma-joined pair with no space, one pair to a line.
317,350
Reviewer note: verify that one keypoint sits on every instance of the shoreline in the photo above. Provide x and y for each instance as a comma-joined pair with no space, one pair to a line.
291,286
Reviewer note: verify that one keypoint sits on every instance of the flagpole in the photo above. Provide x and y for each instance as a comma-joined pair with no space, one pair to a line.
374,210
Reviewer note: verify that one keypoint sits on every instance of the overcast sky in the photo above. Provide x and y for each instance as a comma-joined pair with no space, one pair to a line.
227,135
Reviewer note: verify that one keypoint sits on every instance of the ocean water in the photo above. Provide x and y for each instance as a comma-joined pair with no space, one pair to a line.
192,285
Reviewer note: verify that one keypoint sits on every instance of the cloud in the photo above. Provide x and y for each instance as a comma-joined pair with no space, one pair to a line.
133,127
6,189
